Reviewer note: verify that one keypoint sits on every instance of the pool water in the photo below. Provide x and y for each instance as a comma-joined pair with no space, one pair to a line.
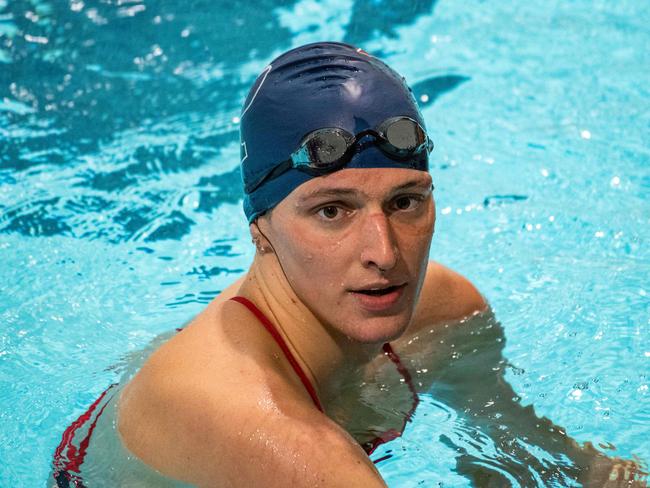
120,198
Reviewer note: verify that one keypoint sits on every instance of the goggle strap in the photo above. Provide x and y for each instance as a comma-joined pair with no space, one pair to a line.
283,167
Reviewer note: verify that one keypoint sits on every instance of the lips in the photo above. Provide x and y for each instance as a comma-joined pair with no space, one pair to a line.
378,298
376,292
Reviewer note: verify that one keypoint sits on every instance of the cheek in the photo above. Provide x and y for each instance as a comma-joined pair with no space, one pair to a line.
415,238
311,247
307,262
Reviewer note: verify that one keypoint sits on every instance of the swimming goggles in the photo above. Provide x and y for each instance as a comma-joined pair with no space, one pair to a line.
326,150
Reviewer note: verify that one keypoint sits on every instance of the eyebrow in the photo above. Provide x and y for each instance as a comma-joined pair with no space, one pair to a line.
343,192
412,184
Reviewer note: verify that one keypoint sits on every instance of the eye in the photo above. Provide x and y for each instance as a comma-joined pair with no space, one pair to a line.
329,213
407,202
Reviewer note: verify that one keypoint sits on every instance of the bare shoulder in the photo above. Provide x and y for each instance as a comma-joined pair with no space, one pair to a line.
446,296
216,406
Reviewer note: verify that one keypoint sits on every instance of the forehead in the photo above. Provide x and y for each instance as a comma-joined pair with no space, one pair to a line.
368,182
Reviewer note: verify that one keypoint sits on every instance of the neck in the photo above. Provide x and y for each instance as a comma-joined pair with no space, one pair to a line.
327,357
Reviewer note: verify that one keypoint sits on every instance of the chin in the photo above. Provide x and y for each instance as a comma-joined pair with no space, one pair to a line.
377,330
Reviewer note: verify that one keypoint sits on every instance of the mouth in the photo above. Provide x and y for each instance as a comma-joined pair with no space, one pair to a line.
379,298
378,292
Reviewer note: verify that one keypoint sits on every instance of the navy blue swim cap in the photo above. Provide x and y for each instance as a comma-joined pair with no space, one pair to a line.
325,84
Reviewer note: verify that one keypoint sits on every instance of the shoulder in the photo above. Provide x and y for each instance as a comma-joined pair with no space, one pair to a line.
213,402
446,296
210,370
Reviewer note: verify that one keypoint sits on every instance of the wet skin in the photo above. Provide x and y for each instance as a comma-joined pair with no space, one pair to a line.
341,267
354,246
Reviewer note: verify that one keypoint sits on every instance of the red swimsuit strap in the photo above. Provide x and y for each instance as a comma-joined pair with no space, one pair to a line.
392,355
67,458
369,447
391,434
268,325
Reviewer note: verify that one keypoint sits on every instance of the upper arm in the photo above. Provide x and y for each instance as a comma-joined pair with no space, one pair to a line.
239,435
446,296
276,447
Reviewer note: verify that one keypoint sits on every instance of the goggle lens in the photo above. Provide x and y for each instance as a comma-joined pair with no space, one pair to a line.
326,148
404,135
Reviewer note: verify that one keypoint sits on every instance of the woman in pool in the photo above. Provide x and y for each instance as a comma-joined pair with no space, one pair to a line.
279,382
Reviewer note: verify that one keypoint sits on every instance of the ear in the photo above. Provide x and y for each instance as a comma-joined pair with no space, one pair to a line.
259,239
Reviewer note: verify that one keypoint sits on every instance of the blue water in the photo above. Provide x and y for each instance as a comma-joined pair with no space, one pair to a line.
120,199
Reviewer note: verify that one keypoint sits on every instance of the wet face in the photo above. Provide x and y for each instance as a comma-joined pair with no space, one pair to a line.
354,246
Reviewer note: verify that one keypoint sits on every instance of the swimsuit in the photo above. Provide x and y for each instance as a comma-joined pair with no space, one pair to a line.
369,446
66,465
68,457
268,325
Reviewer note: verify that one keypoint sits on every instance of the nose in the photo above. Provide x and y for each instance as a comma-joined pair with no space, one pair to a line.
379,246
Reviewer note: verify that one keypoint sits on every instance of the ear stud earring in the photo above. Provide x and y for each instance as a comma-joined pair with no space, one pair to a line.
260,248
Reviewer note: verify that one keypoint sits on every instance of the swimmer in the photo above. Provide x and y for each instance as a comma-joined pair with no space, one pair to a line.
278,382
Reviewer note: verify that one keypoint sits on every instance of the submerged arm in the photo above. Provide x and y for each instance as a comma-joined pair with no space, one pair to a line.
467,370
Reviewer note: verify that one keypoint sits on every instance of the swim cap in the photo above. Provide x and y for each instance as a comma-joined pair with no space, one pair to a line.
325,84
